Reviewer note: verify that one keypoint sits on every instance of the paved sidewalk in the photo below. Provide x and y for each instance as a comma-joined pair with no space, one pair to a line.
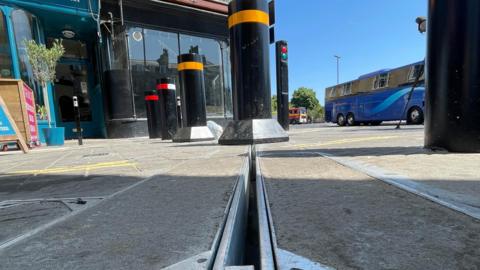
149,204
398,155
345,219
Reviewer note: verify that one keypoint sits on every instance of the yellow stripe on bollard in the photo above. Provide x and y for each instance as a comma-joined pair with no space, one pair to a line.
248,16
190,66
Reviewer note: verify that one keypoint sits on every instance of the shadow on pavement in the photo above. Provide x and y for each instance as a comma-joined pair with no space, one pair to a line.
352,152
138,223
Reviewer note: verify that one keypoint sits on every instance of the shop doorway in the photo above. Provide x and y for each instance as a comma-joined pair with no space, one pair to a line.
75,77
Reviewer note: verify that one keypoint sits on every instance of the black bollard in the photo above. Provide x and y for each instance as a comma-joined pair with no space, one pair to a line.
281,53
249,45
153,114
194,114
179,112
78,126
453,76
168,107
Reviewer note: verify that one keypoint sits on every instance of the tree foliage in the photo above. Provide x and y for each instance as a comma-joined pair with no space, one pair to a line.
305,97
44,60
274,104
44,63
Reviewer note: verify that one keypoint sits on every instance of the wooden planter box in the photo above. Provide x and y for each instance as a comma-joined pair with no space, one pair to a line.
20,102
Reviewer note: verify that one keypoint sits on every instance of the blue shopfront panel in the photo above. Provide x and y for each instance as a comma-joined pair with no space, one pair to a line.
81,6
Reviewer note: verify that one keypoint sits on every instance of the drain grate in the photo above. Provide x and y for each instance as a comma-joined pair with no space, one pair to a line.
96,155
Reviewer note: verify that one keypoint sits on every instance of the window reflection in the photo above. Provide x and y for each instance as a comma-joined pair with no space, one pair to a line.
153,55
137,66
161,52
5,54
73,48
72,80
23,28
211,51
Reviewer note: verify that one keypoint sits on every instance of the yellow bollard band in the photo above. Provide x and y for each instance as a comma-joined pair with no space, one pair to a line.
248,16
190,66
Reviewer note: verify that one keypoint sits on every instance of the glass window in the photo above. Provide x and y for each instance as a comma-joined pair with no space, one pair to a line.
347,89
381,81
415,71
73,48
136,52
5,53
22,25
211,50
161,52
227,74
72,80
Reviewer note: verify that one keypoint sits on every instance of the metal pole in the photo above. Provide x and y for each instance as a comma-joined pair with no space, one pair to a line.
338,68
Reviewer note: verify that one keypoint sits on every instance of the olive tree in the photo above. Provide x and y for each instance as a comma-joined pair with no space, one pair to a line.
44,61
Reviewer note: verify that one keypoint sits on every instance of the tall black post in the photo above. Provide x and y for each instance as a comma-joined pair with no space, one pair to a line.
78,126
153,114
194,114
249,23
453,76
168,107
281,52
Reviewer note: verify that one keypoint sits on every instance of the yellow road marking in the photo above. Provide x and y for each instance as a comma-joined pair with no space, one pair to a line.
343,141
89,167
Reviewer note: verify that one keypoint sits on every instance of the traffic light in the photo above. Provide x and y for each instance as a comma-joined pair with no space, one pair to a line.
284,52
282,83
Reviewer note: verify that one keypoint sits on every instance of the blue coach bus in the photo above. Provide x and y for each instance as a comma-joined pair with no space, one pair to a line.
377,97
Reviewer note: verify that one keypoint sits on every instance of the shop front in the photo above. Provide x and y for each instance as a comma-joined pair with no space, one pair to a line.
44,21
116,50
142,45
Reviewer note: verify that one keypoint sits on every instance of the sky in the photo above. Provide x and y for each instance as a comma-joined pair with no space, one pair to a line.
368,35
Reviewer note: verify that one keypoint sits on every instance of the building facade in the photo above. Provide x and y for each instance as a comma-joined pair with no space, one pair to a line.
115,51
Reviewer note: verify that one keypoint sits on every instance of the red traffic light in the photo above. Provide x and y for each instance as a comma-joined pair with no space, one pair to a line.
284,50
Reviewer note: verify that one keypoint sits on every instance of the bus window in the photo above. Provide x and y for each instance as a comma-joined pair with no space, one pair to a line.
414,72
347,89
381,81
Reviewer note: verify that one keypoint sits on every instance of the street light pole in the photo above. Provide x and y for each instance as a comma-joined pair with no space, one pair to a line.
338,68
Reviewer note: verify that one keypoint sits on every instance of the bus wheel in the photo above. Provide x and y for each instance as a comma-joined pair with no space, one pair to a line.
415,116
351,120
341,121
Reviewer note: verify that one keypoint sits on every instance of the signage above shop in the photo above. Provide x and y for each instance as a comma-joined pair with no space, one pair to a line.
89,6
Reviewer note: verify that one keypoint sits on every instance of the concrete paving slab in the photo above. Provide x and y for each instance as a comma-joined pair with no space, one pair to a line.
451,177
344,219
20,218
168,218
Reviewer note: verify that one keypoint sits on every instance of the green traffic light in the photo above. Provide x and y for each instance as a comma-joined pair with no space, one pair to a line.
284,56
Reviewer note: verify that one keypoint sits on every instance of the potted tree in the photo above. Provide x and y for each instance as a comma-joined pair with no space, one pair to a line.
44,62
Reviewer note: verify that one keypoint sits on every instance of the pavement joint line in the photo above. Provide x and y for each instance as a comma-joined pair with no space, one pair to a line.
95,166
13,241
404,183
50,199
342,141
